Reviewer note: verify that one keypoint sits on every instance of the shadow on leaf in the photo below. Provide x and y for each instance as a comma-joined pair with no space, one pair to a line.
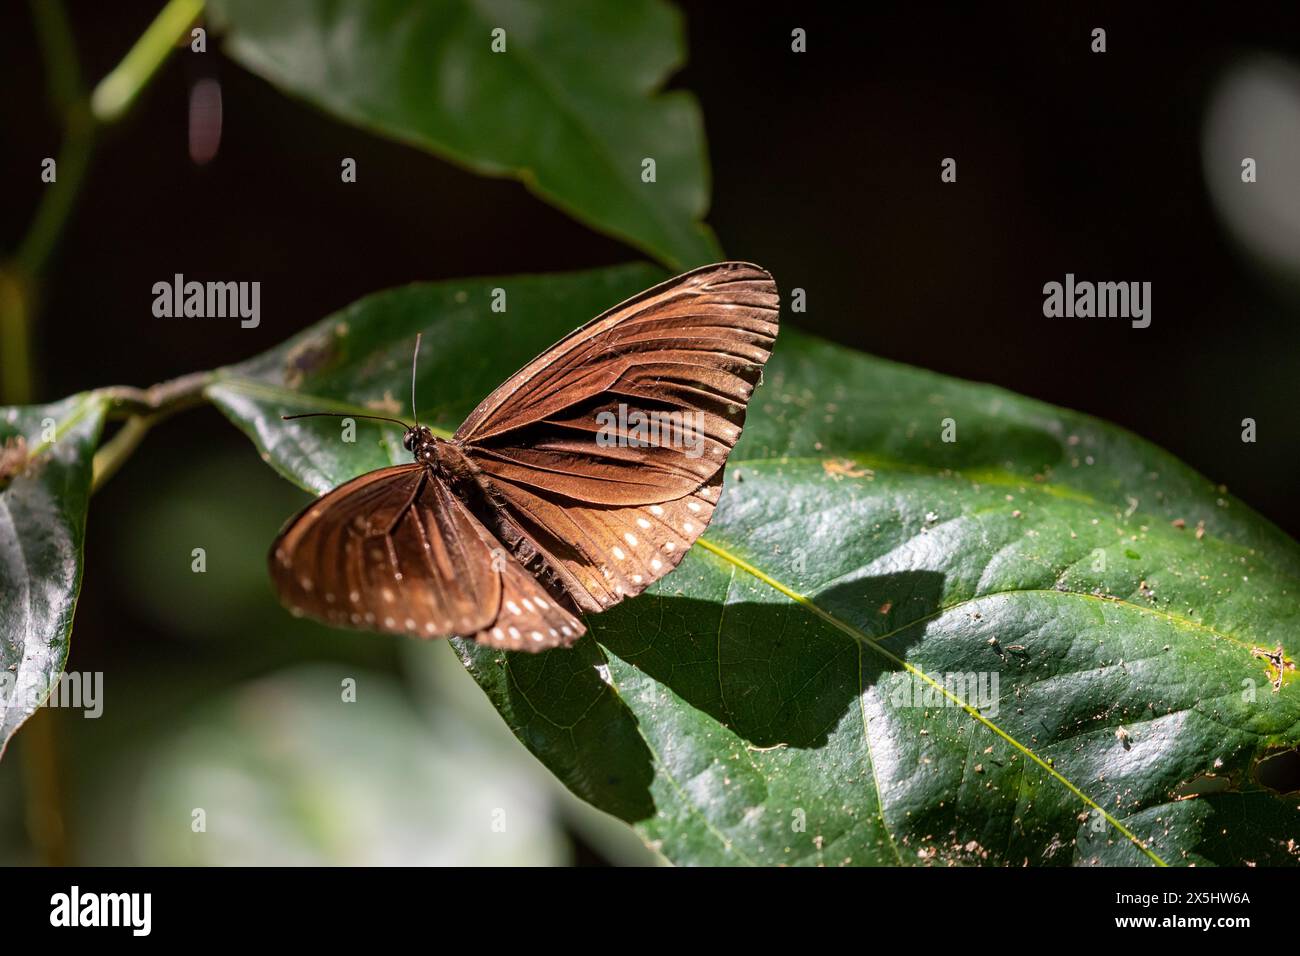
771,673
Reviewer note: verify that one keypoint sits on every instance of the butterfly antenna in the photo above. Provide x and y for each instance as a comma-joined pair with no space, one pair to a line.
376,418
414,361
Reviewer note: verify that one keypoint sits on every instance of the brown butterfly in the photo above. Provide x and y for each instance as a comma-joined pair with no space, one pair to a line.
580,481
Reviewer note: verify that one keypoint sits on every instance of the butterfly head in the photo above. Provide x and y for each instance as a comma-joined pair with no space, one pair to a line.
419,441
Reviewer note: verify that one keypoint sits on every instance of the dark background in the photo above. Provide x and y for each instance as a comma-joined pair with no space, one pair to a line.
825,171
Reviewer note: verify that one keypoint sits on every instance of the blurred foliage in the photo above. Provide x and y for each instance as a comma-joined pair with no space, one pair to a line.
286,772
1251,154
568,103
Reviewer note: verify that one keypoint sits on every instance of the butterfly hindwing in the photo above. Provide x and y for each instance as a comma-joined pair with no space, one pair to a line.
601,555
530,619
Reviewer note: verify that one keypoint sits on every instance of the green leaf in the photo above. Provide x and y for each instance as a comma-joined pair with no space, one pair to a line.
45,471
571,108
774,700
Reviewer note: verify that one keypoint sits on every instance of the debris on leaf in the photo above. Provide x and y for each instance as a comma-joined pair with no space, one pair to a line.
839,468
1278,663
13,458
307,357
386,404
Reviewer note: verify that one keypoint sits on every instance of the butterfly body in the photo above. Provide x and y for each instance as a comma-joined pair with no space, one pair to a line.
420,441
548,501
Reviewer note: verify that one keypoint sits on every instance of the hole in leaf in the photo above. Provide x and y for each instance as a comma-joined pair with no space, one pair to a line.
1201,786
1279,771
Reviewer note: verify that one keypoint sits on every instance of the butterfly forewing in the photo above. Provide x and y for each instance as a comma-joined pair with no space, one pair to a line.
609,510
587,418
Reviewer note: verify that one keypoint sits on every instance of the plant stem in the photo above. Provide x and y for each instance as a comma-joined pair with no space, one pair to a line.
143,408
15,340
58,51
42,778
115,92
60,195
111,455
64,77
17,283
168,397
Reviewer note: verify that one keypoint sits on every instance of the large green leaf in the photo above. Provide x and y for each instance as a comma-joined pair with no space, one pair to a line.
757,706
571,107
45,471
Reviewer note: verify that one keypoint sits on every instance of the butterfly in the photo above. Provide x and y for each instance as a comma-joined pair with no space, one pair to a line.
580,481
